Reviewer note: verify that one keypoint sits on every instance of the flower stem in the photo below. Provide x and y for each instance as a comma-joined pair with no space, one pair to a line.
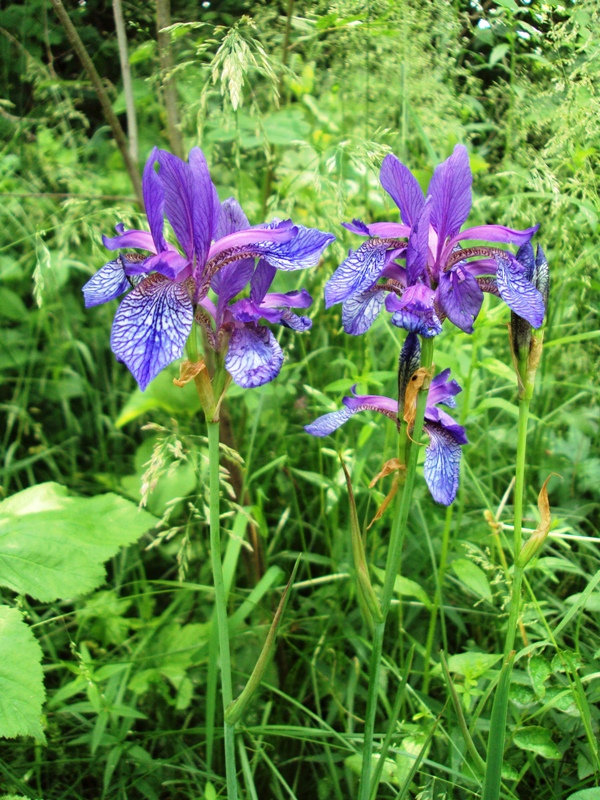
391,571
495,755
221,604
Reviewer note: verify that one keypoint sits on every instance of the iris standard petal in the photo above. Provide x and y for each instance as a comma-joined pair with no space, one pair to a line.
154,201
415,311
231,218
442,390
254,356
230,280
417,251
176,178
261,280
151,327
442,463
360,311
108,283
408,364
517,292
460,297
205,206
403,188
450,192
358,272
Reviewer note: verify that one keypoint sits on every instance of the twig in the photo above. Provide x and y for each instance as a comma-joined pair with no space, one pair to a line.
105,103
127,84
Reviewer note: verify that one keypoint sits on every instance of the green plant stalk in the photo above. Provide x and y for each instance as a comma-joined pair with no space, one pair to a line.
403,504
495,754
437,600
221,605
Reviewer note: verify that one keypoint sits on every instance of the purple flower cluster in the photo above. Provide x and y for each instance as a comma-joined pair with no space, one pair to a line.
218,251
439,277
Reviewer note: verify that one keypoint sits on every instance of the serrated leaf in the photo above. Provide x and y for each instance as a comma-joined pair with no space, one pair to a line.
473,577
54,546
21,679
537,740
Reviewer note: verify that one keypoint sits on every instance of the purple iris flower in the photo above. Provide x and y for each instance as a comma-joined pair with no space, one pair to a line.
254,356
442,454
439,277
154,320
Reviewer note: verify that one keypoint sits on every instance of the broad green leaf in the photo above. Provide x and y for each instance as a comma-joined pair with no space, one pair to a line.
54,546
410,588
473,577
11,305
538,740
164,395
285,126
539,672
473,665
498,53
21,679
585,794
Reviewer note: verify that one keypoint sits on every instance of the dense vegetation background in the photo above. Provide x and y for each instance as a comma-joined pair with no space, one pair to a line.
295,104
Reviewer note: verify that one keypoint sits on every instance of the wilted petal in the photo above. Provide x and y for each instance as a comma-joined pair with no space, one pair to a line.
108,283
415,311
360,311
358,272
417,251
301,252
442,463
517,292
140,240
450,192
151,327
154,201
231,218
254,356
328,423
403,188
460,297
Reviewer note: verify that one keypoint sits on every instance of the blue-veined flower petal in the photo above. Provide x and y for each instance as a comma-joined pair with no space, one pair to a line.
297,298
415,311
301,252
460,297
408,363
154,201
442,463
261,280
328,423
450,192
169,263
254,356
151,327
442,390
205,206
358,272
176,178
108,283
360,311
493,233
517,292
541,275
403,188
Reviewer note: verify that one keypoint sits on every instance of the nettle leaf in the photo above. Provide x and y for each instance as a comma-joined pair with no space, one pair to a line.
54,546
538,740
21,679
473,577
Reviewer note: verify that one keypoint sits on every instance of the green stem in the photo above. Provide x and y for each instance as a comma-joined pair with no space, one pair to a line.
437,600
221,605
391,570
495,756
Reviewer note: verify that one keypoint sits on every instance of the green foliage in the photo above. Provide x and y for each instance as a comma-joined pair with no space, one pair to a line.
295,121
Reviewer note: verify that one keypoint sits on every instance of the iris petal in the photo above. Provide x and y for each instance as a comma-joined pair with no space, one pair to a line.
151,327
517,292
442,463
254,356
460,297
403,188
360,311
415,311
108,283
231,218
301,252
450,191
358,272
328,423
154,201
